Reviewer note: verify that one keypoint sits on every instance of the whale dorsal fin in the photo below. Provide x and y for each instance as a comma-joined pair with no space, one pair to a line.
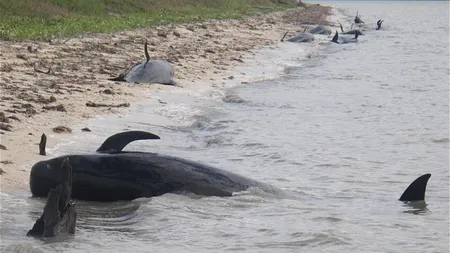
335,37
342,28
147,56
416,190
117,142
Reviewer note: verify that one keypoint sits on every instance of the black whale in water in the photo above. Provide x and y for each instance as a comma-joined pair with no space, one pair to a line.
111,174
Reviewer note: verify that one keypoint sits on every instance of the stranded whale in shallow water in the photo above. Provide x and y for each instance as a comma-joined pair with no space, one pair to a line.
112,174
301,37
344,39
148,71
353,31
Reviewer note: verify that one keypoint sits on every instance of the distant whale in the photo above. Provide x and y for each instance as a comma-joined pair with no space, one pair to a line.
150,71
301,37
357,19
343,40
379,22
416,190
112,174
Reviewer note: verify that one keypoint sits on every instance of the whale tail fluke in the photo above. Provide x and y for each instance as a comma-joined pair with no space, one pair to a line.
117,142
416,190
335,38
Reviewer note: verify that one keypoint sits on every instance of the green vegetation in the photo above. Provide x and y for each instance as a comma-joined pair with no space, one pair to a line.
43,19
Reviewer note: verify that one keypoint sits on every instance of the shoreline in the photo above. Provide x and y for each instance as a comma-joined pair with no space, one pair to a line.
200,53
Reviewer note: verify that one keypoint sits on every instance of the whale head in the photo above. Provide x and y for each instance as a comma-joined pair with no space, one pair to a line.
45,175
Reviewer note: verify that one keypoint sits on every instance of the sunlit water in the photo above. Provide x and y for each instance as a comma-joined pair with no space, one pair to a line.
345,131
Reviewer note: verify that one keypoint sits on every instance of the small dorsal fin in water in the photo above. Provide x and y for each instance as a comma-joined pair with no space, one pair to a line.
147,56
117,142
335,38
416,190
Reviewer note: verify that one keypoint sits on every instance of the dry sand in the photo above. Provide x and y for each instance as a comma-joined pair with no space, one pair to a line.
47,84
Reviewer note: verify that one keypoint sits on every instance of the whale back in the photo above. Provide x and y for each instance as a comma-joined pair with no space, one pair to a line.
416,190
354,31
320,29
302,37
149,71
153,71
115,143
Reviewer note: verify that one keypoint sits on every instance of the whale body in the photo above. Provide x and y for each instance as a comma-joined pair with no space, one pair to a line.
111,174
148,71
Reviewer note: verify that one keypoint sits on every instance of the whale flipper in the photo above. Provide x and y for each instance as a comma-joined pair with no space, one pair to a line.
416,190
117,142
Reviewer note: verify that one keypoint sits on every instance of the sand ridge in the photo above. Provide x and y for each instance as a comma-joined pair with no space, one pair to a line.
46,84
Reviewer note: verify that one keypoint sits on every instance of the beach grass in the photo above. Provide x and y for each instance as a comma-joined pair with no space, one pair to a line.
45,19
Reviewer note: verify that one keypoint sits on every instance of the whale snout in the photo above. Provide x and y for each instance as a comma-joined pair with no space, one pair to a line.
43,178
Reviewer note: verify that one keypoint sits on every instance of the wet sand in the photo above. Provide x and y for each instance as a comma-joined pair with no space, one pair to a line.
49,84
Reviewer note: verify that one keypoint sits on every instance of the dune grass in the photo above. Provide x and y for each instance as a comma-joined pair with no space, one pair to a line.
44,19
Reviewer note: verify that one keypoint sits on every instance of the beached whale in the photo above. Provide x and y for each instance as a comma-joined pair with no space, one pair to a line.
320,29
112,174
148,71
379,22
344,39
299,38
353,31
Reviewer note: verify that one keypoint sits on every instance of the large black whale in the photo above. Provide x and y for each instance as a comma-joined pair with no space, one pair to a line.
112,174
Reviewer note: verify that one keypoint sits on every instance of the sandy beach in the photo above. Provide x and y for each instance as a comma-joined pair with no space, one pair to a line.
46,84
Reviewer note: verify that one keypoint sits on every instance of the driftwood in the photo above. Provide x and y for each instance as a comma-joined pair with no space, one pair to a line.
59,212
42,144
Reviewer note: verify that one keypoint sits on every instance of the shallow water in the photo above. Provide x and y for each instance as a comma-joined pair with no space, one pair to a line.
346,131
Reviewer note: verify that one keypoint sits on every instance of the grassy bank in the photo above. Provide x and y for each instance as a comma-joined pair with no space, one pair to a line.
43,19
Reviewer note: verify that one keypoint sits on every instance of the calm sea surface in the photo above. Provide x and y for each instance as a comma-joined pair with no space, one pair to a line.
345,131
